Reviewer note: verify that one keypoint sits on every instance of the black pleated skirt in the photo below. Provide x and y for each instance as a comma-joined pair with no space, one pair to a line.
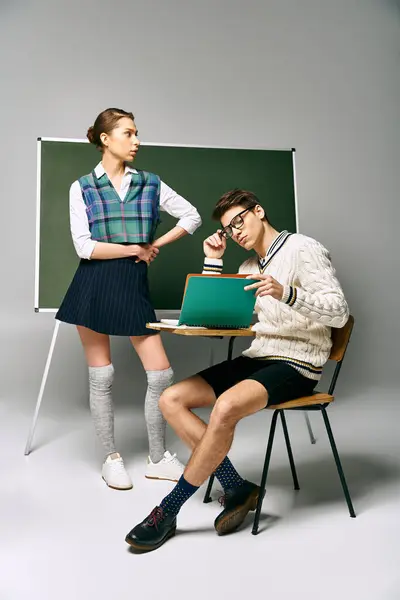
109,296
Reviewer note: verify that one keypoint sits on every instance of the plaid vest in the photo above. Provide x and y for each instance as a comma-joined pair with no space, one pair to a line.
134,220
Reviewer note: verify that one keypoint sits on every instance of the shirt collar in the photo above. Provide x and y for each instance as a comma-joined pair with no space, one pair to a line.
100,171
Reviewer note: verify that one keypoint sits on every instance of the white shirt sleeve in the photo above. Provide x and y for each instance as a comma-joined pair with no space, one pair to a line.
79,223
178,207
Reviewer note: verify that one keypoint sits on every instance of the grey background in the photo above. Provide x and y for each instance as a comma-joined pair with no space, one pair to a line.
319,75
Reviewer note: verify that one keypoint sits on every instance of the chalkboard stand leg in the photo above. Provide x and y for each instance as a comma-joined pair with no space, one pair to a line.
41,391
310,431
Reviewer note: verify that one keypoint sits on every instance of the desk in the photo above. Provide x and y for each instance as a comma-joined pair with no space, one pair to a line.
209,333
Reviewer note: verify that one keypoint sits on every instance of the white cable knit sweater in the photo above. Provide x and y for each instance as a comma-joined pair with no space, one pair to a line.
296,329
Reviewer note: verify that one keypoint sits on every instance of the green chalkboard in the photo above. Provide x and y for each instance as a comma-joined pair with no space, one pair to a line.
201,175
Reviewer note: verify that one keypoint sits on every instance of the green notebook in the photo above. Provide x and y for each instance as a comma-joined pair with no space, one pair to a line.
218,302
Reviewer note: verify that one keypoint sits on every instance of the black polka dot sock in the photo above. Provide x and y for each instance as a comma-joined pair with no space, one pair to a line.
227,475
183,490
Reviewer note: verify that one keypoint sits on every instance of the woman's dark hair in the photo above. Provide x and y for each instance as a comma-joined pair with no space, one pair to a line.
105,123
233,198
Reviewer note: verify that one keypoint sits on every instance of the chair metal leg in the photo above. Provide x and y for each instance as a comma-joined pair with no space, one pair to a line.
289,451
207,497
310,431
265,472
41,391
338,463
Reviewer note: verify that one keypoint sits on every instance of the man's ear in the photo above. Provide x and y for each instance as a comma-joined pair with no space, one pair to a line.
260,212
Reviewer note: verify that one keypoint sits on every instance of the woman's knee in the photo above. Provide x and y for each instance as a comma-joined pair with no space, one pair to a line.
159,381
151,352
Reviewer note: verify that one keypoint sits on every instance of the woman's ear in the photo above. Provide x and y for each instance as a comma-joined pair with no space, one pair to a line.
104,138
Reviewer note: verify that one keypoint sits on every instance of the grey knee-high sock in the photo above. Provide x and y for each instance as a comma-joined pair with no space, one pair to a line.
101,405
157,382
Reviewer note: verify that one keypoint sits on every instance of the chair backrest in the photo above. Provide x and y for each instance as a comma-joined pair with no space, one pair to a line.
340,340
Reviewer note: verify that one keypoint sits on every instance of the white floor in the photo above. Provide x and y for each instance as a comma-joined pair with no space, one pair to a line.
62,530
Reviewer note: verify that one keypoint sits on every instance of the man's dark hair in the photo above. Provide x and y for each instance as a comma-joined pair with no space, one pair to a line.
233,198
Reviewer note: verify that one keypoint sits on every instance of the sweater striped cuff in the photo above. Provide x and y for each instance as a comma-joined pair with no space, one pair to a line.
213,266
289,295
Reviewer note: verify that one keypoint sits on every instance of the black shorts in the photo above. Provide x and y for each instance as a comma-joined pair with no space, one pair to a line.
282,381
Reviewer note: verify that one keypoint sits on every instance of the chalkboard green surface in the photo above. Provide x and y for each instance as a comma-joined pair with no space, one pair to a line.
201,175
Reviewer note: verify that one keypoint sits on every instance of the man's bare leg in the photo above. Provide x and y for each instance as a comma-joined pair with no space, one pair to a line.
177,402
210,443
242,400
238,402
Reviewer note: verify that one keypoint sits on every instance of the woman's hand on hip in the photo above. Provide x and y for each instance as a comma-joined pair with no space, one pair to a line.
146,253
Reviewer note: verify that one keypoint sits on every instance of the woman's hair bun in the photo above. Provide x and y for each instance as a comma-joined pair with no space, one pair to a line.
90,134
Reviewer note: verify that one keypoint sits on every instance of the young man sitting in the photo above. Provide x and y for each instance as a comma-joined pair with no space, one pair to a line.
298,300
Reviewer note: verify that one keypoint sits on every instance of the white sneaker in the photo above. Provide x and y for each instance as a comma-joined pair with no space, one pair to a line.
114,473
169,468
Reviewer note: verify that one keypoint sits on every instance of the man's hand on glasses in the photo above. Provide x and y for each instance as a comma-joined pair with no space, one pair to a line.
214,246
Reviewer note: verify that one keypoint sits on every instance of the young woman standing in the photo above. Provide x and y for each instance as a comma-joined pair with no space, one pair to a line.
114,213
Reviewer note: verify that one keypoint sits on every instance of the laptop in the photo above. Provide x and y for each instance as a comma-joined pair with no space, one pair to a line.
216,302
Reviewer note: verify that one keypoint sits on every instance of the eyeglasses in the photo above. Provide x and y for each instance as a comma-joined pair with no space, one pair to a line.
236,223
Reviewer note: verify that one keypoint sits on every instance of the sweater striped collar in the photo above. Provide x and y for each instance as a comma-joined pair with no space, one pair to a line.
273,249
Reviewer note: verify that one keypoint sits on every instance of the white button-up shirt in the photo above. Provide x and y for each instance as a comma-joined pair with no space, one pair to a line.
170,202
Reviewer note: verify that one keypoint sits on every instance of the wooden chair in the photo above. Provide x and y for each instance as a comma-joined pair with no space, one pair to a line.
317,402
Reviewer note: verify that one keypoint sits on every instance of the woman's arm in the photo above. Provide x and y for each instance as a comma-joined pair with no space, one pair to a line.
84,245
106,251
176,206
171,236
